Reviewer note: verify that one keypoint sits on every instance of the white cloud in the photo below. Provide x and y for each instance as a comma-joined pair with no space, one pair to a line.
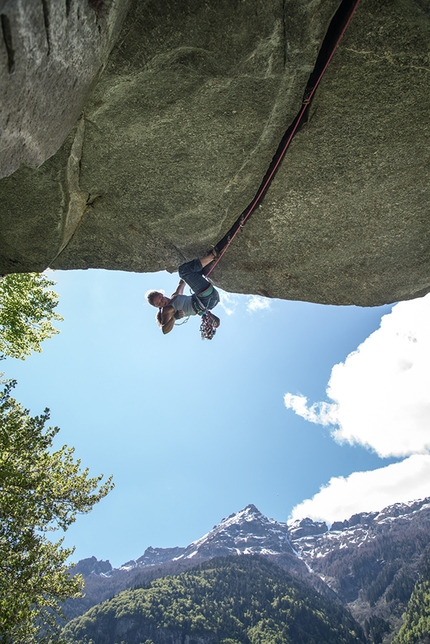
257,303
368,491
228,301
380,396
321,413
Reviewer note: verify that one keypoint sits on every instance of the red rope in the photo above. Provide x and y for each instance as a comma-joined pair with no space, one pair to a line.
264,186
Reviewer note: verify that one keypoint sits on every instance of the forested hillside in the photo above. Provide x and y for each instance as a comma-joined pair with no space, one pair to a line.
416,625
230,600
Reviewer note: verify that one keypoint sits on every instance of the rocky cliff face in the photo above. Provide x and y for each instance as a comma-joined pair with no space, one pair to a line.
50,54
179,130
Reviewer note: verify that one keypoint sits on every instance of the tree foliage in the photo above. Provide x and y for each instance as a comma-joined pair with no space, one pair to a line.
41,490
27,306
416,626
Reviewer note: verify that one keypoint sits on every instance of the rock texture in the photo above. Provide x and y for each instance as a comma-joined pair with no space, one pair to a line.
181,126
50,54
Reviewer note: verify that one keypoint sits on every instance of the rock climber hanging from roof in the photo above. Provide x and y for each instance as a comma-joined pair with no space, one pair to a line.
205,298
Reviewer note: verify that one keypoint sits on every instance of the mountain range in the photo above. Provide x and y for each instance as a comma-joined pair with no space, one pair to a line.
226,600
369,563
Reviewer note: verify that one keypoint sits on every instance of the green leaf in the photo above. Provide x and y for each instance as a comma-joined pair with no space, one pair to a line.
27,306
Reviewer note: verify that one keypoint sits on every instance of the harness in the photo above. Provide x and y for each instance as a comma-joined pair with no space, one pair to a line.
197,305
207,326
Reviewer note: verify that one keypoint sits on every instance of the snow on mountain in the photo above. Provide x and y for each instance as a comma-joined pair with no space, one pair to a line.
250,532
245,532
311,541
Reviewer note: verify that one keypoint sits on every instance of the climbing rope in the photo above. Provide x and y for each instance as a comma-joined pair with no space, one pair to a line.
280,153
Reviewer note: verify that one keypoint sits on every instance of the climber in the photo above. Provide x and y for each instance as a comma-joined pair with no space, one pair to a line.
205,297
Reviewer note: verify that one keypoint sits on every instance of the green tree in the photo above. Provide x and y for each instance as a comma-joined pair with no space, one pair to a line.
27,306
416,621
41,490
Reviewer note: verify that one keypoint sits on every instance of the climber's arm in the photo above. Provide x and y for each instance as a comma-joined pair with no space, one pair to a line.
179,290
167,319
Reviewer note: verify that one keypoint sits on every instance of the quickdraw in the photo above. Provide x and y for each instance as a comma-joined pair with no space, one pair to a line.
207,328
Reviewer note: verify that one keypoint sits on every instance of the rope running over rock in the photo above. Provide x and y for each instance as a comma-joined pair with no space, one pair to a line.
239,224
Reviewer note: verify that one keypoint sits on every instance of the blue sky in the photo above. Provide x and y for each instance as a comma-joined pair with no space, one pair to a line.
194,430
